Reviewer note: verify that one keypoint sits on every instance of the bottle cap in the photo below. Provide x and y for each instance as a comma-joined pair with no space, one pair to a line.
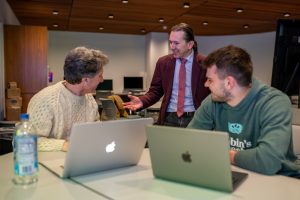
24,116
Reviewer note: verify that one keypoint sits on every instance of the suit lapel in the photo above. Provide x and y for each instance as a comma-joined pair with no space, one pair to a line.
195,74
171,71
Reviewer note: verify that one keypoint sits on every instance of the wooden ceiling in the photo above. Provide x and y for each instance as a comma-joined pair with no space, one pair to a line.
142,16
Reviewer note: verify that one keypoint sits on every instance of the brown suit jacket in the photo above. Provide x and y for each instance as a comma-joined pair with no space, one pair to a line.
162,84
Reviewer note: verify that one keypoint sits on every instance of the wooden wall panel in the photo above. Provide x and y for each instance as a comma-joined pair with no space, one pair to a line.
25,54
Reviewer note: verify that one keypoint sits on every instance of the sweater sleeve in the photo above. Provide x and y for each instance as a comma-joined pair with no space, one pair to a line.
273,141
203,118
41,116
50,144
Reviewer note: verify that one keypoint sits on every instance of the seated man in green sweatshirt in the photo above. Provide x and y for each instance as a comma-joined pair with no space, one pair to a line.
256,116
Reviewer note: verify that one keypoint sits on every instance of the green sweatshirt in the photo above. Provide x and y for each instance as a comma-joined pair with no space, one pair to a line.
259,129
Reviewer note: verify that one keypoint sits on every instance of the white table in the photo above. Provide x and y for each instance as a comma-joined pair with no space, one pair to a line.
137,182
48,187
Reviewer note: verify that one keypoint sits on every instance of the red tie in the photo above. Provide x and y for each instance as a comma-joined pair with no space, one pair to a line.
181,88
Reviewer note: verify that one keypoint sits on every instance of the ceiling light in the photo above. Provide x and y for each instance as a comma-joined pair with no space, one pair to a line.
245,26
239,10
165,27
124,1
55,12
205,23
143,30
55,25
101,28
110,16
286,14
186,5
161,20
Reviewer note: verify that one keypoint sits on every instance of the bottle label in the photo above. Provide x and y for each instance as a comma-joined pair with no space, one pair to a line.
26,155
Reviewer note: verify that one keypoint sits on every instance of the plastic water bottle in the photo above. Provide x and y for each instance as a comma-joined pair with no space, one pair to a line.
25,152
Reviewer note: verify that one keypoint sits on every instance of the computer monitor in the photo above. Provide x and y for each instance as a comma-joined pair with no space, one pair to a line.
106,85
133,83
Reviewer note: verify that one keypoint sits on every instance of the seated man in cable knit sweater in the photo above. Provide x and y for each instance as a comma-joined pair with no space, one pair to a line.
56,108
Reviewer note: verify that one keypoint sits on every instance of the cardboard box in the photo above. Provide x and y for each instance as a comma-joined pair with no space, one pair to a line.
13,113
14,102
12,85
13,92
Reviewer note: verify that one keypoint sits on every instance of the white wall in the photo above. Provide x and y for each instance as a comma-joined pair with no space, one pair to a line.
133,55
157,45
7,15
126,53
260,46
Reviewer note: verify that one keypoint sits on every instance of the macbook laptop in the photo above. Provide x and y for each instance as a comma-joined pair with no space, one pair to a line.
98,146
109,109
192,156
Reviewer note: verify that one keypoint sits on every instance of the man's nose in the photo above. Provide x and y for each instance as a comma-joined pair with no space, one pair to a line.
206,84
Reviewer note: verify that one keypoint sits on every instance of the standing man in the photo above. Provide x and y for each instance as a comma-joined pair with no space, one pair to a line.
178,77
256,116
56,108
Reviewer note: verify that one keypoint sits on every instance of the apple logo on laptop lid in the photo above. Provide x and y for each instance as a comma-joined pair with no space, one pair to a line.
110,147
186,157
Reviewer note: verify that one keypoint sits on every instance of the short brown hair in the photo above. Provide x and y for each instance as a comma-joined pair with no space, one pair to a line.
231,61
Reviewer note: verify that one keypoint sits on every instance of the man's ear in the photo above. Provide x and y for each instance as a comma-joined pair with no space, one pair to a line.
230,82
84,82
191,44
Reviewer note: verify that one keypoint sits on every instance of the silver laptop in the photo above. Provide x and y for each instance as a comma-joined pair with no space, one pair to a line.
192,156
109,109
98,146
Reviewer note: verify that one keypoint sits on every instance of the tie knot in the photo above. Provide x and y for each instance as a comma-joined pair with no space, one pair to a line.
183,60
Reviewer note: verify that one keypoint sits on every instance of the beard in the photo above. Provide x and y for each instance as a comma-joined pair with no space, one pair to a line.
224,96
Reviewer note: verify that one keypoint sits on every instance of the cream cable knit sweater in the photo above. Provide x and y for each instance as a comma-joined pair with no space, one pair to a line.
54,109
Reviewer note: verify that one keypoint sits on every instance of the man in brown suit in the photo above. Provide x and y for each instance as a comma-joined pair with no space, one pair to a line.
165,81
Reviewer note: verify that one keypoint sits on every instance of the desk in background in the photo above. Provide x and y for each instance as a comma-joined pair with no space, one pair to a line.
7,129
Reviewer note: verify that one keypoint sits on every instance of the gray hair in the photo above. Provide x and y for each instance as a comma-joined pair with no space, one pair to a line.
83,62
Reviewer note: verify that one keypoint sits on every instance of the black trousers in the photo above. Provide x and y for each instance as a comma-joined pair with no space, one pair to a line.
173,120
